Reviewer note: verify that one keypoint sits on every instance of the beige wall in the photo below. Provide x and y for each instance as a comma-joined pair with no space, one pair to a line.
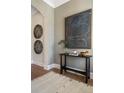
70,8
48,25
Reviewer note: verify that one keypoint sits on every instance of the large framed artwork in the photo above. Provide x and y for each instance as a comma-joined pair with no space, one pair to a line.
78,30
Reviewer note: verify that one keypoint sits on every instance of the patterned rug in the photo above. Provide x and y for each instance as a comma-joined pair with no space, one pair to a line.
56,83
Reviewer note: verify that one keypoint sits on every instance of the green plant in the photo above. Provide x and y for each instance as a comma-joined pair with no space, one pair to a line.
63,42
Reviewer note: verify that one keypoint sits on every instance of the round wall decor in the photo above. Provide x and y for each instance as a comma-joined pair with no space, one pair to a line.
38,31
38,47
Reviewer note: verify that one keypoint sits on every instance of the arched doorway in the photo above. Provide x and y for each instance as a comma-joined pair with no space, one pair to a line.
37,20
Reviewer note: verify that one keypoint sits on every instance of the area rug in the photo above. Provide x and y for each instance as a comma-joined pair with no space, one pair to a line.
56,83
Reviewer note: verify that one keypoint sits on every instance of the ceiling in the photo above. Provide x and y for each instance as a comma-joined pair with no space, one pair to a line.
34,10
55,3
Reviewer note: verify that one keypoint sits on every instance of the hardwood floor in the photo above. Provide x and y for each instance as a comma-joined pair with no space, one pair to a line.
37,71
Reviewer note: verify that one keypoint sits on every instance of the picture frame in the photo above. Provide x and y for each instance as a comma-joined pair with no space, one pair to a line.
38,47
78,30
38,31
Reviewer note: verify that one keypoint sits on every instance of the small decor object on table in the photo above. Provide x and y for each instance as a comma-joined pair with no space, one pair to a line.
38,47
74,53
83,53
38,31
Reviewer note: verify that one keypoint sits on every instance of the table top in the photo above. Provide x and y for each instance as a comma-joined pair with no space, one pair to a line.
67,54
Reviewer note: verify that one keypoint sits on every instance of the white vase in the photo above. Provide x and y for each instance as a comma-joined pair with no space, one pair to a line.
65,50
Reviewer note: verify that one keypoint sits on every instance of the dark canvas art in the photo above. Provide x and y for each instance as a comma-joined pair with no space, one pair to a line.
78,30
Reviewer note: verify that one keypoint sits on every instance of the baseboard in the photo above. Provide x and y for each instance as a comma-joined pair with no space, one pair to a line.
58,67
48,67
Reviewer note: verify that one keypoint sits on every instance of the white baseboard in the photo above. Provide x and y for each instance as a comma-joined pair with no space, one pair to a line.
58,67
48,67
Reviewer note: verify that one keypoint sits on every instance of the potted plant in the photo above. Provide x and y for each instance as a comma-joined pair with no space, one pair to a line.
64,43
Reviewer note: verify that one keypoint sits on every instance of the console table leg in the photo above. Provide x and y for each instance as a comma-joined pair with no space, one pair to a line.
86,72
61,68
65,64
87,69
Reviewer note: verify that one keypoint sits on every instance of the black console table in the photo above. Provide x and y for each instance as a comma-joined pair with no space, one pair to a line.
64,67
